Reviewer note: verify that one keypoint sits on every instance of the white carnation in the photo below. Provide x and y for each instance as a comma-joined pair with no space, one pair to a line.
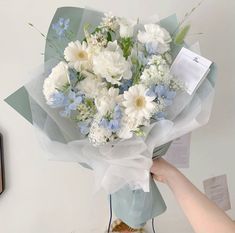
158,37
106,102
126,27
111,65
92,86
78,55
58,78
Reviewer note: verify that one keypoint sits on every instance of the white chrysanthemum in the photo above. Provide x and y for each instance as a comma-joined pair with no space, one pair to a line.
111,65
92,86
137,104
105,103
99,135
78,56
58,78
159,37
126,27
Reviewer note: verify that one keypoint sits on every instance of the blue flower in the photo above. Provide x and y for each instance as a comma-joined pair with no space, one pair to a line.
163,92
61,26
104,122
66,113
117,113
84,126
126,83
57,100
113,124
72,101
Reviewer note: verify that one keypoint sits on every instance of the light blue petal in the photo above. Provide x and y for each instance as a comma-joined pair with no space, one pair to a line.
104,123
114,125
152,47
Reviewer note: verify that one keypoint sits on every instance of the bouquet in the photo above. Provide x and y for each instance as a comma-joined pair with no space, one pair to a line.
107,98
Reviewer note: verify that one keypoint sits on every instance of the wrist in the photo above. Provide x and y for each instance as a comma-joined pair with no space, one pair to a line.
171,175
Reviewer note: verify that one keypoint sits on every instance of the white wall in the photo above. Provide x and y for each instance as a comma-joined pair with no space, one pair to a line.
55,197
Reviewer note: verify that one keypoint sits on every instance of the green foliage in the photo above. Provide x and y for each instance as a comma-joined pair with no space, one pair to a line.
180,36
64,88
109,36
126,45
139,132
137,73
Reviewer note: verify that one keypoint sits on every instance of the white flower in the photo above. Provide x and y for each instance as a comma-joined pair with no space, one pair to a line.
78,56
106,102
128,126
92,86
157,72
156,38
58,78
99,135
111,65
109,22
96,40
126,27
137,104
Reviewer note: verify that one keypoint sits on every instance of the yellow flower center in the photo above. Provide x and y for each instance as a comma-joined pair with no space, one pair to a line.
140,102
82,55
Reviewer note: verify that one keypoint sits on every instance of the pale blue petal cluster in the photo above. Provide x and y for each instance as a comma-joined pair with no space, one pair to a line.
162,92
84,126
57,100
72,101
61,26
113,124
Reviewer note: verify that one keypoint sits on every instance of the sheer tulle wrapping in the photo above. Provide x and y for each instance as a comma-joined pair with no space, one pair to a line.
121,168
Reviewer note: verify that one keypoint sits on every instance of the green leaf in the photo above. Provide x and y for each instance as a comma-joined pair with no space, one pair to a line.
109,36
180,36
126,45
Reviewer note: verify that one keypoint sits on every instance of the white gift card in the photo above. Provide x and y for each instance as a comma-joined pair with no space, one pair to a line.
190,68
216,189
179,152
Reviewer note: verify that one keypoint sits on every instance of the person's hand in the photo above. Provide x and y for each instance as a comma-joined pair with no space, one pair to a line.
162,170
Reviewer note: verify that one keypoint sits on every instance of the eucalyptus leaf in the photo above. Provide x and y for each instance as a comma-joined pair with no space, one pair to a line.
180,36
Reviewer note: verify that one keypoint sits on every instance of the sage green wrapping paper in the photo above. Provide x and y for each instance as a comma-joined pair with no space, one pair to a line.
133,207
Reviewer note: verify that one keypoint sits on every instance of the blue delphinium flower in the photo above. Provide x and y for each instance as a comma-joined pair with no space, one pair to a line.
57,100
126,83
163,92
73,100
61,26
84,126
114,123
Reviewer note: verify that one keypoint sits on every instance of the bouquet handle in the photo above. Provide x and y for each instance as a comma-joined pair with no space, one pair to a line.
136,207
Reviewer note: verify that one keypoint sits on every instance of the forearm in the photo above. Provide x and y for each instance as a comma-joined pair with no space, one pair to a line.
203,214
